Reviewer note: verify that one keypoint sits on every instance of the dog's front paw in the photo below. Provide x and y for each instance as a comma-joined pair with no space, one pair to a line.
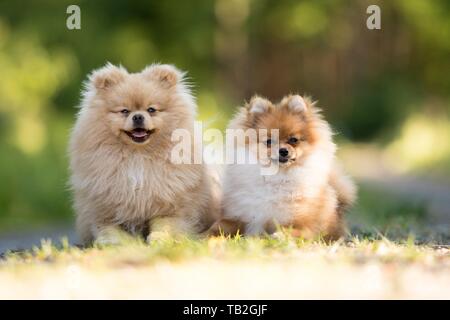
158,236
111,237
278,235
107,240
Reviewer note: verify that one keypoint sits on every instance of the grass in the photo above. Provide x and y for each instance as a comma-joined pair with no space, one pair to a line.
390,254
237,267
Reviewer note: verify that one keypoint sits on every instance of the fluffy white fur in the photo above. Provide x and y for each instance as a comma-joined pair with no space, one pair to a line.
258,200
308,194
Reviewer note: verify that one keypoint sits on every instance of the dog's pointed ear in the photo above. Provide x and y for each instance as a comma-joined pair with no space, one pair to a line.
258,105
295,103
107,76
166,74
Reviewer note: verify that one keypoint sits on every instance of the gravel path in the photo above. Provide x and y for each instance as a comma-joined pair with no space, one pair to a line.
435,195
28,239
368,165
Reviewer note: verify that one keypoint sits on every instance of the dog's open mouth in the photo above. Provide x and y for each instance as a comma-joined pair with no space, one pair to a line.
139,135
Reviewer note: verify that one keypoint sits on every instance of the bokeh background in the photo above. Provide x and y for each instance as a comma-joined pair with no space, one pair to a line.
386,92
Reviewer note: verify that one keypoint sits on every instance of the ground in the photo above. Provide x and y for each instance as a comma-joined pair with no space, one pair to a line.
231,268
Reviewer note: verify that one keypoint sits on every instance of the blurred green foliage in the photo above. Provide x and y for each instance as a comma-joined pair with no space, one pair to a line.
368,81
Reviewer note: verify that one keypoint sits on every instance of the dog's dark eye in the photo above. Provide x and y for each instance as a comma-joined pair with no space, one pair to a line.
292,140
125,111
269,142
151,110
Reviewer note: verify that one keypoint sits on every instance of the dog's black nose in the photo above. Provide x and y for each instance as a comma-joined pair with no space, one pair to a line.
138,119
283,152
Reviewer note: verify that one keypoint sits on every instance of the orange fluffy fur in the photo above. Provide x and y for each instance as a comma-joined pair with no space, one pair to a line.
309,194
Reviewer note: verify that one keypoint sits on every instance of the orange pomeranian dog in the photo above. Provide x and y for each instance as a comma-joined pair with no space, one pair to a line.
308,194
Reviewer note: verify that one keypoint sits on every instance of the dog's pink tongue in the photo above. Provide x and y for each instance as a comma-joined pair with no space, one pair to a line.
139,134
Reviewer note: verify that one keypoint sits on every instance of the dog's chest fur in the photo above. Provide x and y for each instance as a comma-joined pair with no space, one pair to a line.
258,200
136,188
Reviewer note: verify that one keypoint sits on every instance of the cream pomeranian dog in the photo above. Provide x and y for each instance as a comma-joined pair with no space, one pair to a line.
308,194
121,172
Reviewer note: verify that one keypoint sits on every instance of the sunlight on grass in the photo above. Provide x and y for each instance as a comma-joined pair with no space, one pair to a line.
225,267
137,252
